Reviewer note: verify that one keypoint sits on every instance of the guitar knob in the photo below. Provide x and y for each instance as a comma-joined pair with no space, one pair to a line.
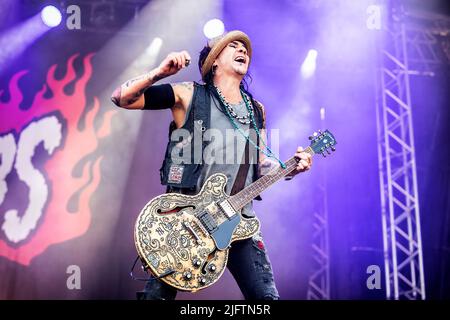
187,275
196,262
202,281
212,268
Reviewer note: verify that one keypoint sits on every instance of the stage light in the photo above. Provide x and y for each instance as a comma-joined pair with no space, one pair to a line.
154,47
309,65
322,113
213,28
147,59
51,16
15,40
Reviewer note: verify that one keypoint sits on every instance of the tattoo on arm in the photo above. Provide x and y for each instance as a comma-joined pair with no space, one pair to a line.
157,78
135,96
130,82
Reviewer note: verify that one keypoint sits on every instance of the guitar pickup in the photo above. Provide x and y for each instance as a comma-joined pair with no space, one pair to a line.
227,208
207,221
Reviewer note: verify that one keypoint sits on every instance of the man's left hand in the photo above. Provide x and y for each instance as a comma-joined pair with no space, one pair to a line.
304,164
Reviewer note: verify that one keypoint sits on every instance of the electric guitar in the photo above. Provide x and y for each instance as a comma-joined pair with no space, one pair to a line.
184,240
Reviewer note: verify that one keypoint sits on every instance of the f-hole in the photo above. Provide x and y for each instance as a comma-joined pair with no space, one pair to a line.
174,210
210,256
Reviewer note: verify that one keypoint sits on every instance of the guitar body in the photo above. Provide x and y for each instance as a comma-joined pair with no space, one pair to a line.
185,239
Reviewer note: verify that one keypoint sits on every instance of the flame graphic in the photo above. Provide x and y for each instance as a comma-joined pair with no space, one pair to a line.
56,223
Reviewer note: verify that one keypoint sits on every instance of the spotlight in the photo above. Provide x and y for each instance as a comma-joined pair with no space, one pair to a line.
51,16
213,28
154,47
309,65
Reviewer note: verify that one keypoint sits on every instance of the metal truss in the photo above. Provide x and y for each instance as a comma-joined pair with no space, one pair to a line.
427,42
411,45
319,279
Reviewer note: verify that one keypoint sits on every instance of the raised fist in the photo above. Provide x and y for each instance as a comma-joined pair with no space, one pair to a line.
173,63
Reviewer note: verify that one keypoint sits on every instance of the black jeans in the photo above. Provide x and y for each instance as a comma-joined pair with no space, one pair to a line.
250,266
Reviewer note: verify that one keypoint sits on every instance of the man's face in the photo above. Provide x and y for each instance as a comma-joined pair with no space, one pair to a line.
233,59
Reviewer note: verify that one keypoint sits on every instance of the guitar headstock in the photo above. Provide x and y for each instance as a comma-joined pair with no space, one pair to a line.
322,142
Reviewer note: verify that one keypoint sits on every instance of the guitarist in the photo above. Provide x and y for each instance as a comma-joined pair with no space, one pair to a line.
222,104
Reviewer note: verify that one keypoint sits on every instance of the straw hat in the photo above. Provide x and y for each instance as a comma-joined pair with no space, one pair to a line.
219,43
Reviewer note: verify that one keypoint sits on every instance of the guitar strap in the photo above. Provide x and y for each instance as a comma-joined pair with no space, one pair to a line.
241,176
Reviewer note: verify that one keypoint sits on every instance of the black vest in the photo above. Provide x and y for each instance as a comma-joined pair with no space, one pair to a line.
183,172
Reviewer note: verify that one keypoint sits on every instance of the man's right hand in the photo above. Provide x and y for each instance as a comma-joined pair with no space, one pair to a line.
173,63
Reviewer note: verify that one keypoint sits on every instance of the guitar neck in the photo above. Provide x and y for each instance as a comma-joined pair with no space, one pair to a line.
240,199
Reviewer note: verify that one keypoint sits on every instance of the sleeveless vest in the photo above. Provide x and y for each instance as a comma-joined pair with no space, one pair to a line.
183,158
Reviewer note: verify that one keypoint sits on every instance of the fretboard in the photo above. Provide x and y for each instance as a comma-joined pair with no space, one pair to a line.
240,199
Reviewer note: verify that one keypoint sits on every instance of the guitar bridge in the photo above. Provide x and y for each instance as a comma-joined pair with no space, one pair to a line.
227,208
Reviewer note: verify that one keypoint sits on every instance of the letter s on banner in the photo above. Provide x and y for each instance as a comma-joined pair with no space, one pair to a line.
49,131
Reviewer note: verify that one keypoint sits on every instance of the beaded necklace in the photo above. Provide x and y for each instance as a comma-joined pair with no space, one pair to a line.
246,99
245,119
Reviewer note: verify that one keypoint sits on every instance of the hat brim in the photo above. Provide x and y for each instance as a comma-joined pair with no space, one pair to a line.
218,46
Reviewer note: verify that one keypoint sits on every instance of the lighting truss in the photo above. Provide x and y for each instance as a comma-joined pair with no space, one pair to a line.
410,46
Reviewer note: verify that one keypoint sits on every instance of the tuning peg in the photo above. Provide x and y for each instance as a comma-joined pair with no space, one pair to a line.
323,153
320,131
315,134
310,137
328,151
333,149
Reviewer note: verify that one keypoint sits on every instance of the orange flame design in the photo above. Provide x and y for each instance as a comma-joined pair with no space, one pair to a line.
57,224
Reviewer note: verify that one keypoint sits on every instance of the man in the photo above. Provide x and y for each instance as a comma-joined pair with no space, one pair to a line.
222,104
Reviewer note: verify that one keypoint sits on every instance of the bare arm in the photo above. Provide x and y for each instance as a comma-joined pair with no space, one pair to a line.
183,95
130,95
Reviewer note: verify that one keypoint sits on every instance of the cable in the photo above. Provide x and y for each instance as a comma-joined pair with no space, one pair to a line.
165,274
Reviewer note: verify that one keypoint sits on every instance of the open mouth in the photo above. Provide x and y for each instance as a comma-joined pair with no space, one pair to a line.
240,59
